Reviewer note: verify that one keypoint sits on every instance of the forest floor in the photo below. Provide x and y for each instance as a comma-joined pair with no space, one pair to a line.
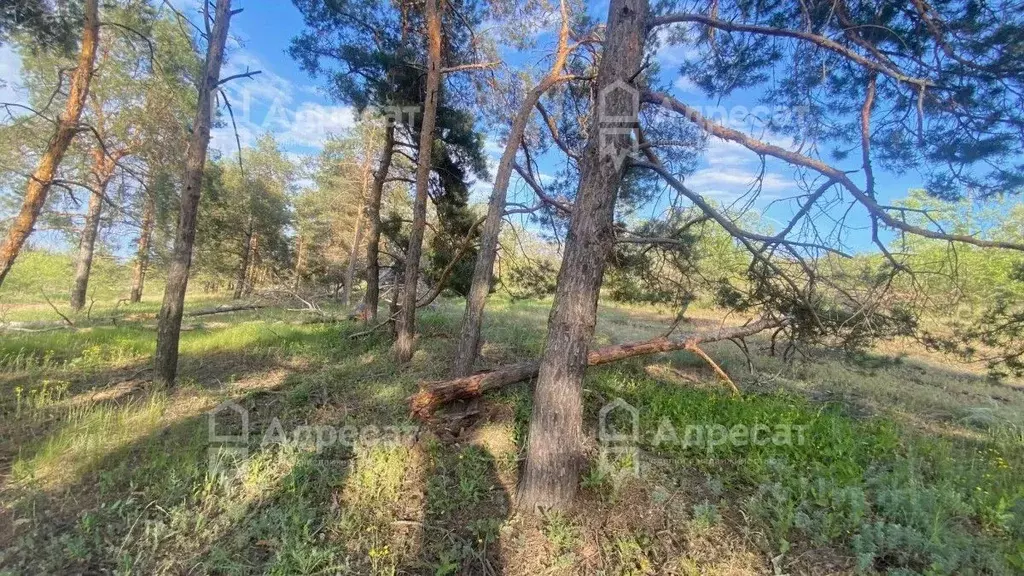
893,460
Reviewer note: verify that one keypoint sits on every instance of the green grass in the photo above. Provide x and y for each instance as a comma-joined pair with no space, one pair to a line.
895,498
40,272
893,473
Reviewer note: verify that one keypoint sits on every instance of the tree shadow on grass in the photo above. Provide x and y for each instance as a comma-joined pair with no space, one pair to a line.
466,504
28,427
34,401
919,390
149,503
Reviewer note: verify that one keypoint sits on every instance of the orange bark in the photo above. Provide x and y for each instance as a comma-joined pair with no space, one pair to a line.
67,126
433,395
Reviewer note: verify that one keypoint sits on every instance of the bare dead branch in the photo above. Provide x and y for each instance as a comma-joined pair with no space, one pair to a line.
433,395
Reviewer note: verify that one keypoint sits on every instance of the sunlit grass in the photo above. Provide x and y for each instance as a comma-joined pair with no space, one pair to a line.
109,475
86,436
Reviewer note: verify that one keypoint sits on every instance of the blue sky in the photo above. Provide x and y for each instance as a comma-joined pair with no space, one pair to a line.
285,101
282,99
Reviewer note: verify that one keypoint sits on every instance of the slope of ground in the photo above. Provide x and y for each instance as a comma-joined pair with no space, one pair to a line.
889,462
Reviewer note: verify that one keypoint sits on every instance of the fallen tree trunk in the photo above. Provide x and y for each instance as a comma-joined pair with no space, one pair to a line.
225,309
433,395
35,326
46,326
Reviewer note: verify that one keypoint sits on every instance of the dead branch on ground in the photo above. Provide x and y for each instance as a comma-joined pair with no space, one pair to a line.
433,395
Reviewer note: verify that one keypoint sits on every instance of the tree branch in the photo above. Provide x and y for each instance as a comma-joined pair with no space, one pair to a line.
821,41
797,159
433,395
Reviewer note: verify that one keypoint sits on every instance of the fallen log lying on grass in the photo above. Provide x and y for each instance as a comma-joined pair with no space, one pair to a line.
224,309
32,327
433,395
66,324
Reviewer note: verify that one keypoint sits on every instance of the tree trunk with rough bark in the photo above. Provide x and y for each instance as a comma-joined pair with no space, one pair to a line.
242,275
86,249
300,253
101,173
67,126
393,305
372,296
142,253
102,170
367,180
405,327
472,320
169,320
554,455
353,259
255,274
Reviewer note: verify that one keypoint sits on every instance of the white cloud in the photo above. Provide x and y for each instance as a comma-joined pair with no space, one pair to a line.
736,181
732,171
722,153
313,123
267,86
685,86
222,138
307,126
494,148
268,102
480,191
10,72
671,54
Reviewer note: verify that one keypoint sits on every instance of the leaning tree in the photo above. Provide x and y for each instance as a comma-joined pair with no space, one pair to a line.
133,118
128,104
374,56
65,127
525,100
932,90
173,307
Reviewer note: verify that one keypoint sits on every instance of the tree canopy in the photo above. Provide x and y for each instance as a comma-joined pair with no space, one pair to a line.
822,175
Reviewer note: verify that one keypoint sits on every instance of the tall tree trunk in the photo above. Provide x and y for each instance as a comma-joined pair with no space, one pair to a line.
353,258
373,201
300,252
142,253
86,249
255,274
406,324
472,320
554,455
243,269
102,170
169,321
67,126
367,181
395,292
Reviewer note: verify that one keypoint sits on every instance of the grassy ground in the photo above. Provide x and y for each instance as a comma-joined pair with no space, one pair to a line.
900,462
